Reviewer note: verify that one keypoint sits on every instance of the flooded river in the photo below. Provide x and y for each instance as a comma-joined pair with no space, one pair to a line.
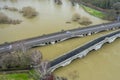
98,65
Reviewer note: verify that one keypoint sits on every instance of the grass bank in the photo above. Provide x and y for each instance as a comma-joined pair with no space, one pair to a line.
15,76
94,12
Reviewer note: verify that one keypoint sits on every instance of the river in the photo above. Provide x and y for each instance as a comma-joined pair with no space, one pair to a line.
98,65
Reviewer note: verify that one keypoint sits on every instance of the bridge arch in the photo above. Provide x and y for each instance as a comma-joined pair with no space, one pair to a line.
83,50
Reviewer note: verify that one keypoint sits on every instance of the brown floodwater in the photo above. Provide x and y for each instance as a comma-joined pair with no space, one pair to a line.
98,65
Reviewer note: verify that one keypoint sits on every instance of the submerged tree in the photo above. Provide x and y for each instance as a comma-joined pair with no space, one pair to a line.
85,21
29,12
4,19
58,2
72,2
10,8
76,17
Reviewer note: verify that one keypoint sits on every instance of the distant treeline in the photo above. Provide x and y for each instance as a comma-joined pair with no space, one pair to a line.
105,4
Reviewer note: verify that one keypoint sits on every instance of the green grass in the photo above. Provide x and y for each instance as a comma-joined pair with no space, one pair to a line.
17,76
94,12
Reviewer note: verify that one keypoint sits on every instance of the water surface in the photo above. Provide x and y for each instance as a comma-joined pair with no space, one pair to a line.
98,65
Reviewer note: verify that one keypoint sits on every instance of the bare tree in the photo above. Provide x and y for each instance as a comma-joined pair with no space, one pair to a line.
18,58
44,69
36,57
40,67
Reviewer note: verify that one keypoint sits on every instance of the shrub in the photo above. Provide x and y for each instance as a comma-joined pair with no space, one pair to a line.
59,2
12,9
5,7
85,21
3,18
29,12
76,17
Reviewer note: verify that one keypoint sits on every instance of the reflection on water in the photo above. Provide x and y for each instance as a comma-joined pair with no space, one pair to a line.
98,65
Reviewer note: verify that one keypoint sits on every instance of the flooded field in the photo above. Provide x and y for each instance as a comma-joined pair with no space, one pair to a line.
51,18
98,65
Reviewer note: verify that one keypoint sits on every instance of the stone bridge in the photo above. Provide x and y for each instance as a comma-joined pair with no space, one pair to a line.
82,51
58,36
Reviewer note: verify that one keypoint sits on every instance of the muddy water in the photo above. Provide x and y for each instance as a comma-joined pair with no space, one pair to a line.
51,18
100,65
